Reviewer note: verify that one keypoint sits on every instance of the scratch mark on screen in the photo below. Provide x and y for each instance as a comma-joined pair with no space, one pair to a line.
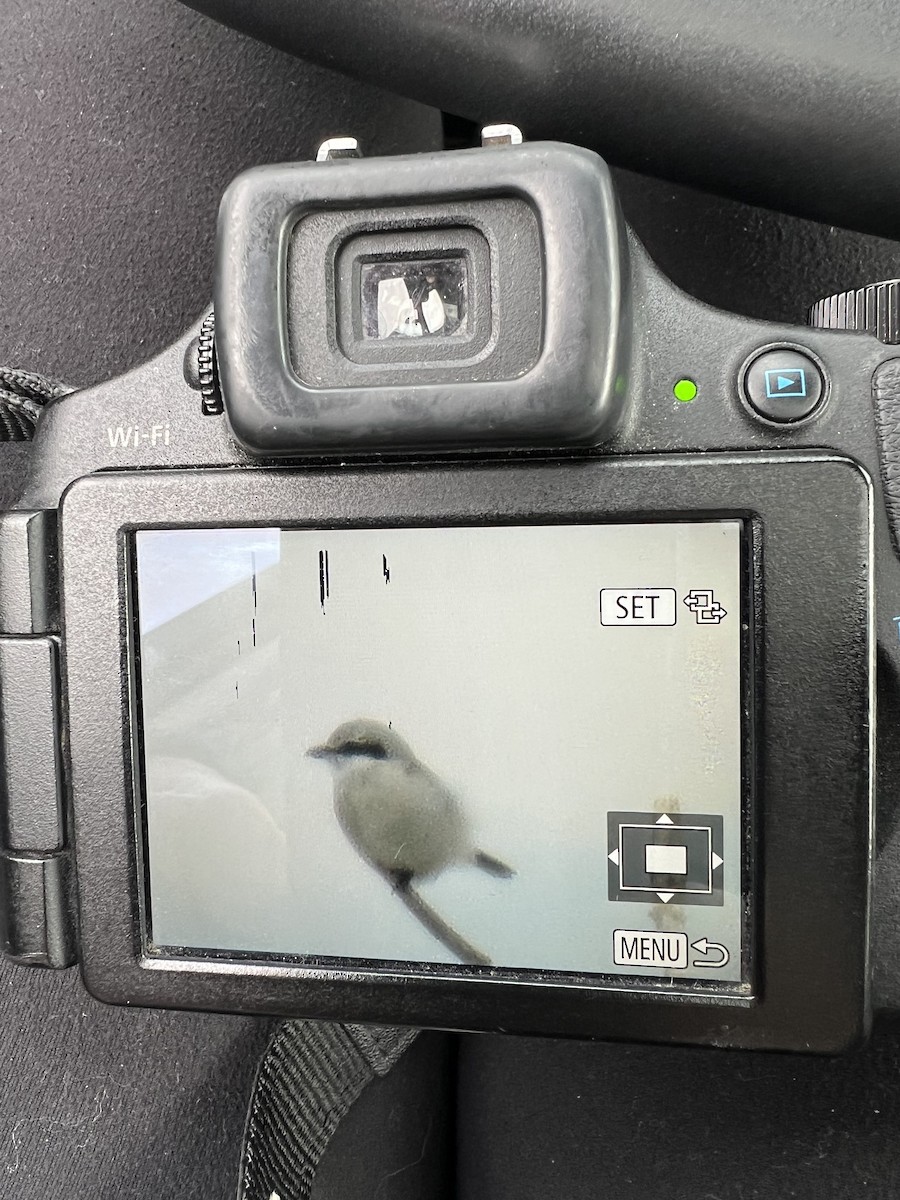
253,586
324,580
385,568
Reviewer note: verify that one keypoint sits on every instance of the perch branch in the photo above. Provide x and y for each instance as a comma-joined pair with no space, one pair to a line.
437,926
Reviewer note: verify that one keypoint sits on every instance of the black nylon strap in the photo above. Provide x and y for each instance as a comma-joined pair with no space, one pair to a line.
310,1075
23,395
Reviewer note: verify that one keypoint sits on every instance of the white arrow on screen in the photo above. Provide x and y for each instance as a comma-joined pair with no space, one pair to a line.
705,946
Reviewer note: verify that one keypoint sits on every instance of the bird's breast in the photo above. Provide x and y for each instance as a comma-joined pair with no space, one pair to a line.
400,818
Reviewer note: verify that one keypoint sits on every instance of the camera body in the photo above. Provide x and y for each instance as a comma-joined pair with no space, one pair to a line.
460,378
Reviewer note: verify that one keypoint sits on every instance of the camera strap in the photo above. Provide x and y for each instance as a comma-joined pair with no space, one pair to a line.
309,1077
23,395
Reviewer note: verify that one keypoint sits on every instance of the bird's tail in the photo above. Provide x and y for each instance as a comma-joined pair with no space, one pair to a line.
492,865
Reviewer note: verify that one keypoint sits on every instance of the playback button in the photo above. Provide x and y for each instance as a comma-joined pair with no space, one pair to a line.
783,384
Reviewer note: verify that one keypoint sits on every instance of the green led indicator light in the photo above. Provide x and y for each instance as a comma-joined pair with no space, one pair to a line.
685,390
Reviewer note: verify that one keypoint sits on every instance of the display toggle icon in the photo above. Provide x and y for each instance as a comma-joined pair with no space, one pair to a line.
705,607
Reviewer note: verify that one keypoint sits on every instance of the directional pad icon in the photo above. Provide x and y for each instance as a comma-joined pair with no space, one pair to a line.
655,858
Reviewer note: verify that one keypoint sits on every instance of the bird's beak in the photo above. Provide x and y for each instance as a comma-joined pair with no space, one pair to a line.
318,752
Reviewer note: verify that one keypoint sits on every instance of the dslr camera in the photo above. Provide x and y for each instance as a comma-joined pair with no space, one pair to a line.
461,626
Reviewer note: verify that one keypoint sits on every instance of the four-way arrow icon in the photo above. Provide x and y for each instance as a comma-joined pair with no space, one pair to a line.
664,819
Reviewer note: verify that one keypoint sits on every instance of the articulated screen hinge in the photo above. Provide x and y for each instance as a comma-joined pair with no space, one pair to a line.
36,924
36,900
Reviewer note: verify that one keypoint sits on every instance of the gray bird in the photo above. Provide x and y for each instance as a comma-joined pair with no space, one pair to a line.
396,812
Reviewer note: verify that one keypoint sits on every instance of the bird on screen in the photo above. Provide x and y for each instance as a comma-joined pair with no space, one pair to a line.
397,813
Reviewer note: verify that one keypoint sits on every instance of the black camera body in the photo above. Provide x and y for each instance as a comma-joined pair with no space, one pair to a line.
463,358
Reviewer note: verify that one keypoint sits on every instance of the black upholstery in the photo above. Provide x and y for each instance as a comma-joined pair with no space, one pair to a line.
791,103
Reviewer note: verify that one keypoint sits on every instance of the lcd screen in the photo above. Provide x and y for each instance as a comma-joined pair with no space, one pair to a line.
510,745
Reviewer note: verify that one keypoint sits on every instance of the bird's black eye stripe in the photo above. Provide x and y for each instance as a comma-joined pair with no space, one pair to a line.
363,750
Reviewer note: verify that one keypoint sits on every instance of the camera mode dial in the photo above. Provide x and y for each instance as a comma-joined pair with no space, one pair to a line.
872,309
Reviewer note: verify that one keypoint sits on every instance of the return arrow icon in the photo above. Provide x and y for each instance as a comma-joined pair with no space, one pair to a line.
705,946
